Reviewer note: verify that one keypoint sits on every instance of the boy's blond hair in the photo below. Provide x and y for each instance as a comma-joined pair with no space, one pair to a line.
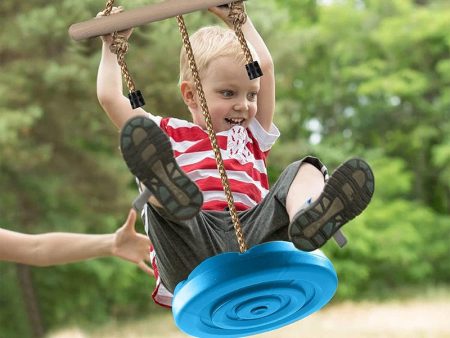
209,43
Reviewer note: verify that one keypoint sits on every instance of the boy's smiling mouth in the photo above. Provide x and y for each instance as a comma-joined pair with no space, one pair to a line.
235,121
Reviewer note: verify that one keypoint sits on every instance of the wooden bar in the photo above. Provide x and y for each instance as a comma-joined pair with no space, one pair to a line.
138,17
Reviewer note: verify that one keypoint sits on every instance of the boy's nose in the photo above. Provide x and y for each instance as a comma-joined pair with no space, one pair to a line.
241,105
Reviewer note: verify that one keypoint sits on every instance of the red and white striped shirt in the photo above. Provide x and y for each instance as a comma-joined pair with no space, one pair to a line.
244,152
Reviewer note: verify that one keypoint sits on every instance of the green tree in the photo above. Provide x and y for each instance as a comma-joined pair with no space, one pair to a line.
370,78
59,165
364,76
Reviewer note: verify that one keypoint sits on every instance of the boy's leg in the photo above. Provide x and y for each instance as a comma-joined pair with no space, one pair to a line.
307,186
181,245
344,196
269,220
149,156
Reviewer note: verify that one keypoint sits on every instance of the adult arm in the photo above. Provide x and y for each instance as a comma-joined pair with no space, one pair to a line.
61,248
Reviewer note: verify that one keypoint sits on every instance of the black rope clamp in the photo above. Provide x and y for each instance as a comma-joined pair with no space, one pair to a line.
136,99
253,70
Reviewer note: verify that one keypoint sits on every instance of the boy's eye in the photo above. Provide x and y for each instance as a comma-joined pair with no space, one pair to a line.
227,93
252,96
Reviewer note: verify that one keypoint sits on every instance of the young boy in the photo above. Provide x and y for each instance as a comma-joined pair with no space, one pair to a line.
168,155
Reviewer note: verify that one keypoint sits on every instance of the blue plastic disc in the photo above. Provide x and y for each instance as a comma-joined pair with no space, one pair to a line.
267,287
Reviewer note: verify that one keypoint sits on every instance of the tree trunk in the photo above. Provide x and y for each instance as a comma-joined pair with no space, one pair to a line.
30,300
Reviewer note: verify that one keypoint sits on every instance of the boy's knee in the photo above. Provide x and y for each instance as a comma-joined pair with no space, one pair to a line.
312,165
307,169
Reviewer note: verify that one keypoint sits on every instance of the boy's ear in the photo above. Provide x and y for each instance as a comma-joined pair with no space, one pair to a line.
188,94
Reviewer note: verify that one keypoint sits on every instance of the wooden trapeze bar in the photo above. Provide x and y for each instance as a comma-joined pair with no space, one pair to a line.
138,17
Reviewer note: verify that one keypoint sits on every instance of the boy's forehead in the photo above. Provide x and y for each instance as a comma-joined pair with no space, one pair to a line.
227,71
227,67
234,80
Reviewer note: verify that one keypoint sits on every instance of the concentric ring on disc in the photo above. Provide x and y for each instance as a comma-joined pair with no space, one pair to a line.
250,309
269,286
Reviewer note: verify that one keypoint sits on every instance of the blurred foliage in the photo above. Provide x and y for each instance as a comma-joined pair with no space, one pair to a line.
367,78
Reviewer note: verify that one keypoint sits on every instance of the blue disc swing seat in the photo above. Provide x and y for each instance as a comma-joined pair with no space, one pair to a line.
240,294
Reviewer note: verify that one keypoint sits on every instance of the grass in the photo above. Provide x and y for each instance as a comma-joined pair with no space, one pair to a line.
423,314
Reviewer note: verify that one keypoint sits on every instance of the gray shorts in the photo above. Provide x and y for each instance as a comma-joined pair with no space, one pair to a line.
182,245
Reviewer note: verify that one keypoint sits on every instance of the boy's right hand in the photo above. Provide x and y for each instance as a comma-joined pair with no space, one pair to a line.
222,12
108,38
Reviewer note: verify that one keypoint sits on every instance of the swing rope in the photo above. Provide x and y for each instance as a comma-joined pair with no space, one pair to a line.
212,135
238,17
108,7
119,47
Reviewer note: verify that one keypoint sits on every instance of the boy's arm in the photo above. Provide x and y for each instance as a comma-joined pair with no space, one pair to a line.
266,95
109,84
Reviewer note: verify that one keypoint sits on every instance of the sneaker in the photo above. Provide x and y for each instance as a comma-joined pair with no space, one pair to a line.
345,195
148,154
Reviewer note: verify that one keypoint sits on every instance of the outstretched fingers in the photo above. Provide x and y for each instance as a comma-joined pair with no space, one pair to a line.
144,267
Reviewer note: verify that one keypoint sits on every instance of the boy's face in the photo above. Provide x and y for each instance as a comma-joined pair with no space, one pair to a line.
230,95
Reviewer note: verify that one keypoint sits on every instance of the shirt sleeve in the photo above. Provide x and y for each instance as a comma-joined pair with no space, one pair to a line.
266,139
156,119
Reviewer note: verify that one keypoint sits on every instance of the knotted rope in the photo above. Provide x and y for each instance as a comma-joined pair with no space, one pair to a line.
119,46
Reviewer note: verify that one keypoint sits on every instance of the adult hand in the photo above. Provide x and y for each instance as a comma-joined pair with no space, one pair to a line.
132,246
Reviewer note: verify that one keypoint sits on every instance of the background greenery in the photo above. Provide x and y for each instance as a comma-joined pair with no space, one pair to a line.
365,77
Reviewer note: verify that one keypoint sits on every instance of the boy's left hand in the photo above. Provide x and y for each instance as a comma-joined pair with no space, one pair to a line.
222,12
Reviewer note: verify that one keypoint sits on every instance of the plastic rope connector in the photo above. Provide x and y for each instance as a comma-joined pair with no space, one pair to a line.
253,70
136,99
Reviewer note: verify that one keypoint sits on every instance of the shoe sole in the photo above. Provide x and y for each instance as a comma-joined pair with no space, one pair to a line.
148,154
346,194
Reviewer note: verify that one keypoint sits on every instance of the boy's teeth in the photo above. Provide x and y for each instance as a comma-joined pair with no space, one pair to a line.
234,121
